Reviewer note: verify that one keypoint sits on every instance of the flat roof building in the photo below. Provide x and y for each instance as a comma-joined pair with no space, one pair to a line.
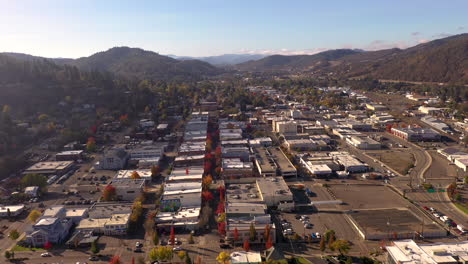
235,168
127,174
273,162
416,133
274,190
189,160
14,210
69,155
187,174
349,162
128,189
363,142
243,193
408,252
49,167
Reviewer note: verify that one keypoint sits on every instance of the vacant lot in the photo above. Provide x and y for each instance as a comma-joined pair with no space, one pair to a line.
399,160
363,196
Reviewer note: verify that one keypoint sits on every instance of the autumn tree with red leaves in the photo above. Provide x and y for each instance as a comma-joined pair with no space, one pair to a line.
236,234
109,193
207,196
246,245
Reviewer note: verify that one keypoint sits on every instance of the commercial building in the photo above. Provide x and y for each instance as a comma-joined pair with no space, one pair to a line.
192,148
435,123
408,252
349,162
313,129
286,127
243,193
50,168
127,174
186,218
363,142
243,223
235,143
416,134
48,229
196,125
128,189
187,174
300,144
181,194
115,225
428,110
273,162
69,155
318,164
357,125
344,132
462,163
230,134
146,152
195,136
235,168
189,160
114,159
275,192
11,210
376,107
261,142
107,219
242,153
246,257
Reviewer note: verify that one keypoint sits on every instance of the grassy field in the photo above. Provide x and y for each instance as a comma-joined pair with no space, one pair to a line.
462,207
20,248
399,160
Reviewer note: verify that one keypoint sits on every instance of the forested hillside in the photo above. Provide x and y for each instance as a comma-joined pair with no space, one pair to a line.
441,60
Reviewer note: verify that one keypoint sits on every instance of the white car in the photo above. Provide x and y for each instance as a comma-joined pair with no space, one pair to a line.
177,249
46,254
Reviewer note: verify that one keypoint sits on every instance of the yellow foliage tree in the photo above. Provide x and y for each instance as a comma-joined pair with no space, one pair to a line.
34,215
135,175
223,258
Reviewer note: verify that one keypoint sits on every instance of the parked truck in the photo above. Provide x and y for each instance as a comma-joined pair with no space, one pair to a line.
461,228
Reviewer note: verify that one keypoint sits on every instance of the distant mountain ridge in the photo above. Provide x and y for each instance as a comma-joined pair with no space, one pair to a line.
134,63
225,59
139,63
295,62
441,60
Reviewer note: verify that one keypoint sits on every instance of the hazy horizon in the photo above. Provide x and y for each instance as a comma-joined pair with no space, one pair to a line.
59,29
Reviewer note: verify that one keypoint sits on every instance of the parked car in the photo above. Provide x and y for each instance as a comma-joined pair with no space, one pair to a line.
224,246
46,254
138,244
93,258
177,249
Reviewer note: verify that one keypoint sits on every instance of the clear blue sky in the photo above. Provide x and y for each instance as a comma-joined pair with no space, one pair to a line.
69,28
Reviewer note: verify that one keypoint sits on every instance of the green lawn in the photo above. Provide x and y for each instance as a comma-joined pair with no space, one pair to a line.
462,207
20,248
302,260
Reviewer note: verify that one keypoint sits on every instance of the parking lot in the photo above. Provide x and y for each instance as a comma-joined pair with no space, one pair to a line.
357,195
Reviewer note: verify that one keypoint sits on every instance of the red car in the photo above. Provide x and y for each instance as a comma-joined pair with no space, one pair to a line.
425,208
